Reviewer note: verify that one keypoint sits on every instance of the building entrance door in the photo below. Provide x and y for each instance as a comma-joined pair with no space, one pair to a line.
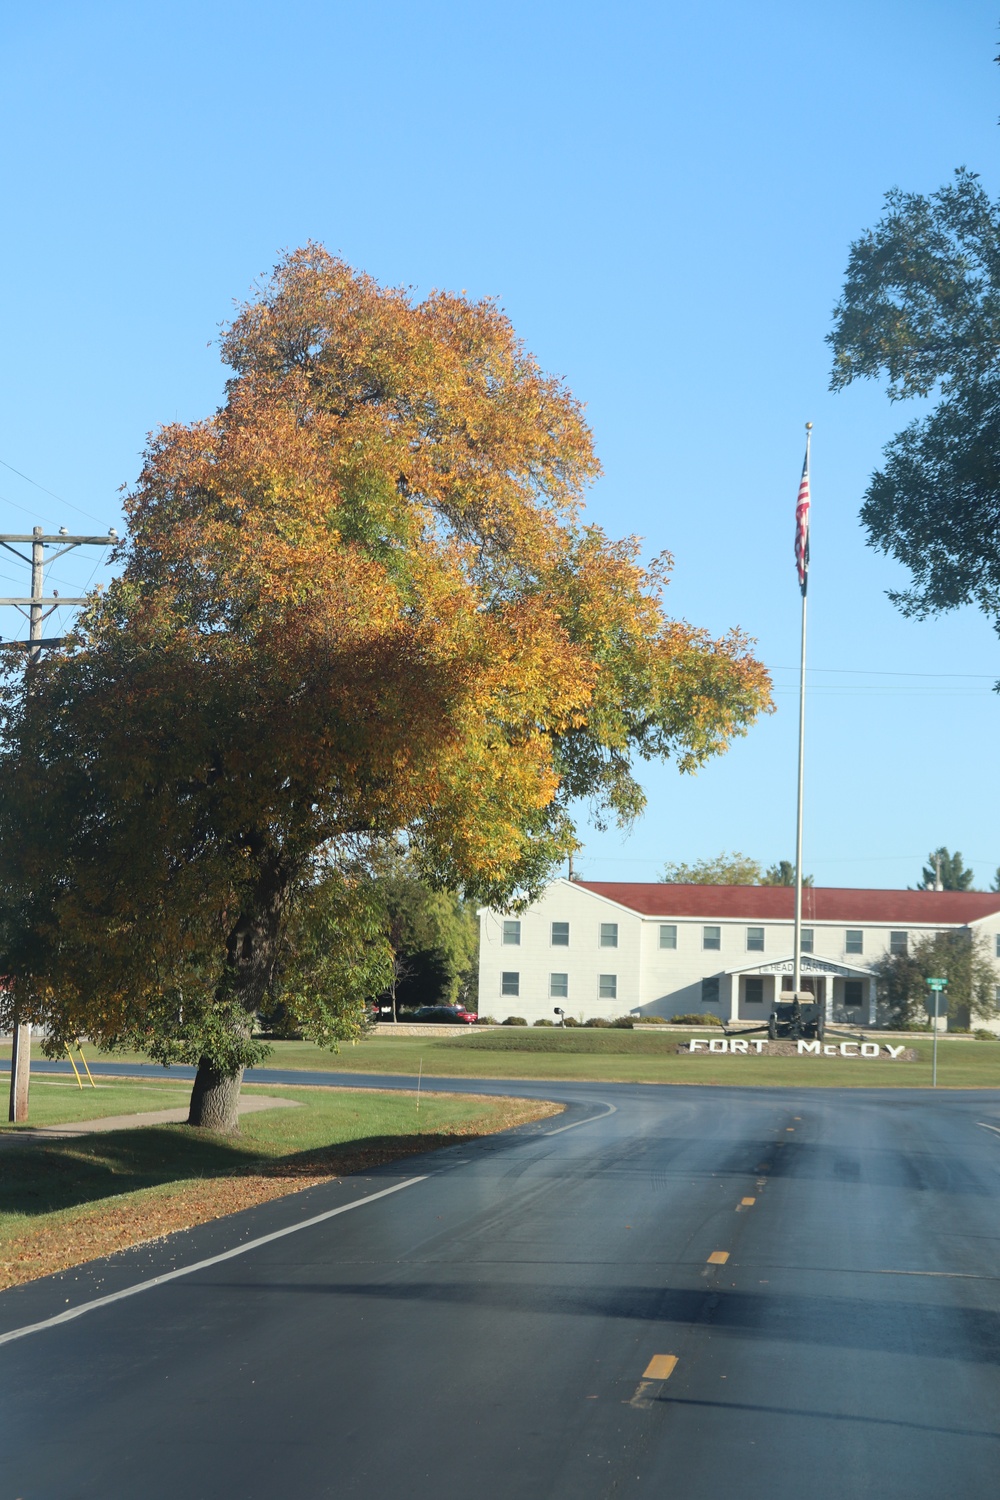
814,986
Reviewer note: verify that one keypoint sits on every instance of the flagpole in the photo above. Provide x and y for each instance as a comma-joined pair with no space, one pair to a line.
802,750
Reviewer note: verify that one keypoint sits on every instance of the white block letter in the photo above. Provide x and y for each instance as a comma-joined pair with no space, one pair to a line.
894,1051
696,1043
870,1049
829,1051
718,1044
808,1047
739,1046
849,1049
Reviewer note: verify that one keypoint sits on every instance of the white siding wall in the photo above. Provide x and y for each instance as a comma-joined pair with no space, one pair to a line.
650,979
584,961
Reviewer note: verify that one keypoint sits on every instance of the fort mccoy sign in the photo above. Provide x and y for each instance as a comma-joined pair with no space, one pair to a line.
764,1045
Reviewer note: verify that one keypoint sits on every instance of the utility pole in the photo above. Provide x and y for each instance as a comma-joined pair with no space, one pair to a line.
37,608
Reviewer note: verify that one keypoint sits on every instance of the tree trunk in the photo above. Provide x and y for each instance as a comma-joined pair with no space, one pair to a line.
252,952
215,1099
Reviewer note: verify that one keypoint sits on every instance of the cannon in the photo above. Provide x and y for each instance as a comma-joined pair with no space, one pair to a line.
796,1018
793,1016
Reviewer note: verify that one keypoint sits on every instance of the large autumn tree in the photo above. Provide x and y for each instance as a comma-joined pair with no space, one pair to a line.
355,605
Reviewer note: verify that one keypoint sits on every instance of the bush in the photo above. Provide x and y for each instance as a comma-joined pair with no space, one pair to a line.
486,1021
650,1020
695,1020
514,1021
624,1023
544,1023
570,1021
597,1021
982,1035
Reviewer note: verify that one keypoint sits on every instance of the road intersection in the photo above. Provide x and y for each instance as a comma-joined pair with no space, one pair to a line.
680,1291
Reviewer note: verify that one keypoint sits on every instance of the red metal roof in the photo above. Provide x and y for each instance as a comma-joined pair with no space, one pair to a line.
819,903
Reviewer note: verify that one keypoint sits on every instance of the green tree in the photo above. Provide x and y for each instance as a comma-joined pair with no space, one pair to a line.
433,936
336,954
947,868
731,869
962,958
723,869
783,873
357,603
921,305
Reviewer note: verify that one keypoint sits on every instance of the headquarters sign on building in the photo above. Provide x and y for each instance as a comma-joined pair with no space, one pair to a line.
606,948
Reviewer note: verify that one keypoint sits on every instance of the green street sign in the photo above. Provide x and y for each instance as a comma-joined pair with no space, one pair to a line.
937,984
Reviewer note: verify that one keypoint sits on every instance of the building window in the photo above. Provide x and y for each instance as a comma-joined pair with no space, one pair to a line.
609,934
607,986
998,945
711,937
852,994
512,934
510,984
668,936
897,942
710,990
755,939
788,983
754,993
806,940
559,986
855,941
560,934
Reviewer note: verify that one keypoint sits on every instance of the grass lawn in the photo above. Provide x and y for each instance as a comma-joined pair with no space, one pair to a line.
64,1202
626,1057
638,1057
54,1101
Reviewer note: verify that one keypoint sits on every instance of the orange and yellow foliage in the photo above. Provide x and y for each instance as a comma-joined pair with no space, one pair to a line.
357,603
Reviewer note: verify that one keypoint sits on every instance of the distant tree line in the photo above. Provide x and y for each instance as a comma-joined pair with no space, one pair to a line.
731,869
944,871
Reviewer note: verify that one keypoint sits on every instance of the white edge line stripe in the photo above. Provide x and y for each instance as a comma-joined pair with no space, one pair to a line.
609,1109
983,1126
201,1265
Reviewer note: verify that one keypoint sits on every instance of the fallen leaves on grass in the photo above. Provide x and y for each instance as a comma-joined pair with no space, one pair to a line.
77,1235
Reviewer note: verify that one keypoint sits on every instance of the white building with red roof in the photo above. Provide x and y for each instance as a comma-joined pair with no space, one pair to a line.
608,948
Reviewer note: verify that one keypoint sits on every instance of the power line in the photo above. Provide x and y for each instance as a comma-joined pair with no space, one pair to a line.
17,505
53,494
874,672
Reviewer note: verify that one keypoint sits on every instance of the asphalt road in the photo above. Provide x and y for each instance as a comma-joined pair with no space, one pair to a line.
486,1329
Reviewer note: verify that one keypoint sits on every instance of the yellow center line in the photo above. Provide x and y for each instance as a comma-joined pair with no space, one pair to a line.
718,1258
660,1367
747,1202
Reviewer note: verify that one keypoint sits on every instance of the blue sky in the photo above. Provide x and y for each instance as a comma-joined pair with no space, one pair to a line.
661,196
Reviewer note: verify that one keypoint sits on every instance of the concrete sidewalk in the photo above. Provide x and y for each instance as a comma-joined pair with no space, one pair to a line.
248,1106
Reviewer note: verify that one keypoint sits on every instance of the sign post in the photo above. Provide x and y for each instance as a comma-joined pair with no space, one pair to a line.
936,986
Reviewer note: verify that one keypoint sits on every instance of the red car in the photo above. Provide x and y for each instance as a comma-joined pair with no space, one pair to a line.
448,1014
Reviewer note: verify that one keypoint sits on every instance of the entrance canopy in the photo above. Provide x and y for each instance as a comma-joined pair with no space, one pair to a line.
845,991
809,967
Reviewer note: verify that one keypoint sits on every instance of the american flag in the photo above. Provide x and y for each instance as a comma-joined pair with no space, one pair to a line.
802,525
